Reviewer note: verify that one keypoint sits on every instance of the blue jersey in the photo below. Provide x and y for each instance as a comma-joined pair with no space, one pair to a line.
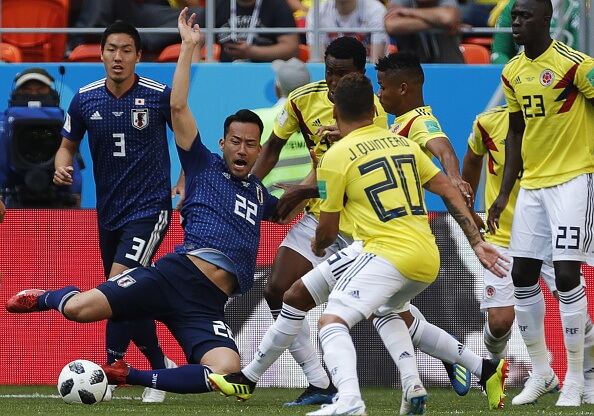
223,212
128,143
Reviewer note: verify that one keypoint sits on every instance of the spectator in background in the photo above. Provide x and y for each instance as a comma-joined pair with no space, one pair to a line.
563,27
252,14
413,25
29,138
338,14
476,13
294,160
2,210
140,13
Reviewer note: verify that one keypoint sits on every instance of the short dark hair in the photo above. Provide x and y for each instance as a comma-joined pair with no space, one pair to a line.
120,26
547,5
243,116
353,96
408,62
347,47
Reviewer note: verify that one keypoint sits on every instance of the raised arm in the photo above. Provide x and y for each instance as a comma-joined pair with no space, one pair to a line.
184,125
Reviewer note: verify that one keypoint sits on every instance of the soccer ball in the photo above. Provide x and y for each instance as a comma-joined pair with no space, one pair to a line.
82,381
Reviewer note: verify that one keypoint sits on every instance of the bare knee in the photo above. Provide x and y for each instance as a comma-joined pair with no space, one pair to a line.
500,320
222,360
299,297
288,267
90,306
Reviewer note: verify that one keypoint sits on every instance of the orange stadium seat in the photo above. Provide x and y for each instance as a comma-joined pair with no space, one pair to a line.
475,54
36,47
171,53
486,41
10,53
87,52
303,52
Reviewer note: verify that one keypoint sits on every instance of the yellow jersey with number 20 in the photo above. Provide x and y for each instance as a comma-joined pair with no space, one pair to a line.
377,178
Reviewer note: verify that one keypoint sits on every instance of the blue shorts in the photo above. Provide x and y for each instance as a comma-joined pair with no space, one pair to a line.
135,244
173,291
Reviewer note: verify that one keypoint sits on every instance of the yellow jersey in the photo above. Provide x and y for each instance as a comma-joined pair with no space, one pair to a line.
489,131
420,126
551,91
307,109
380,175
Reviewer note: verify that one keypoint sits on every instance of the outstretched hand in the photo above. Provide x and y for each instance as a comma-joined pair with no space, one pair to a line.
491,259
188,31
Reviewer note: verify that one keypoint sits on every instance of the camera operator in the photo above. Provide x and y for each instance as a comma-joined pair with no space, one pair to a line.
29,138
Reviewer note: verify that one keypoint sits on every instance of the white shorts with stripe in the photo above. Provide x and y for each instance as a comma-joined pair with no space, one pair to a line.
370,282
499,291
556,223
299,238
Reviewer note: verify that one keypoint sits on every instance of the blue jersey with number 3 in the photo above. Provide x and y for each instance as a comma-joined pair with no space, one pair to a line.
222,211
128,144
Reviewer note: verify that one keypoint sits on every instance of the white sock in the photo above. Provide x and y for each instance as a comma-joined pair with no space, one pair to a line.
497,347
276,340
573,307
304,353
394,333
341,359
530,312
437,343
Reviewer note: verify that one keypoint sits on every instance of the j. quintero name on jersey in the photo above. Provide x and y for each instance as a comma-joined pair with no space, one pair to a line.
362,149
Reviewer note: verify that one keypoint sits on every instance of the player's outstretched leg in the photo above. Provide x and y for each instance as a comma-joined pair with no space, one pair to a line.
35,300
433,341
233,384
493,375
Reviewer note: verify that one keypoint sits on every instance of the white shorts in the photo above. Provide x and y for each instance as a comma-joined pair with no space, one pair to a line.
299,238
498,292
370,282
555,223
321,280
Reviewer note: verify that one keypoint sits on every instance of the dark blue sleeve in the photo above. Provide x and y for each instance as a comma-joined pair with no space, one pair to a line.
269,204
74,128
76,187
165,106
196,159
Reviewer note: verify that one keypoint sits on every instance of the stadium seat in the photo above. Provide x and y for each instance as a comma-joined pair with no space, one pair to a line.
475,54
36,47
171,53
10,53
303,52
486,41
87,52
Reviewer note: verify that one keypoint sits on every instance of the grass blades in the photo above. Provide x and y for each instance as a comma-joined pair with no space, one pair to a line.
44,400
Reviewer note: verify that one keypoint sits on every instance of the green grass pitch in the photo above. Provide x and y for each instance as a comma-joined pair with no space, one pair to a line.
44,400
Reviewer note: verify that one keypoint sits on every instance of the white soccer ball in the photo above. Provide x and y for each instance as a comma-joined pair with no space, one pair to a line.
82,381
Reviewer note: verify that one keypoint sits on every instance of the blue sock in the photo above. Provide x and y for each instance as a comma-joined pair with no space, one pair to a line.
190,378
56,299
117,339
144,335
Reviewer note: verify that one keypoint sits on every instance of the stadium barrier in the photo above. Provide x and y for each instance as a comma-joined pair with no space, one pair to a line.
53,248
